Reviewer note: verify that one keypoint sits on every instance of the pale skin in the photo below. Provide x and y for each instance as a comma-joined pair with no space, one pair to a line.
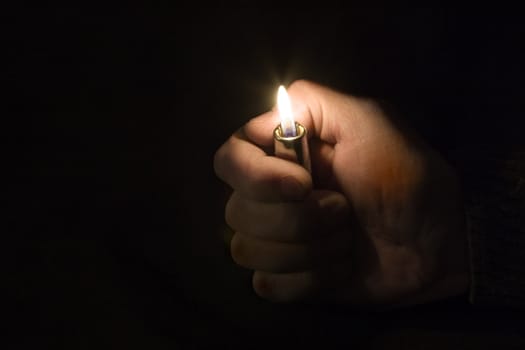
378,223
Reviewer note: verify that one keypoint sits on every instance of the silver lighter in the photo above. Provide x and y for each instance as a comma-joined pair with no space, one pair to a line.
293,148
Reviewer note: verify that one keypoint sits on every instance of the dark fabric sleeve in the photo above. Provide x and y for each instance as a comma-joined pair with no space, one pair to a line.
494,188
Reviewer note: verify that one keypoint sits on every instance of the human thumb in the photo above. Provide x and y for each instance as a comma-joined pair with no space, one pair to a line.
323,111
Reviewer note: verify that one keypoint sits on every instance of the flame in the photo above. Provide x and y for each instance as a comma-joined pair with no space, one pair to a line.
285,113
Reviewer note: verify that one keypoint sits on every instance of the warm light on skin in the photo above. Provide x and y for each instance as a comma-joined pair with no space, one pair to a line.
285,113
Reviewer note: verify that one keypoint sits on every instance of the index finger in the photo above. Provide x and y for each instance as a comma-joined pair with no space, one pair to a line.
258,176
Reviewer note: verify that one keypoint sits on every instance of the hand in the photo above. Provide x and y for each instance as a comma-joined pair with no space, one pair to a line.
379,222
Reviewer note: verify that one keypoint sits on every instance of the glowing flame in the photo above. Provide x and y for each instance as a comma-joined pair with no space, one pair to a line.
285,112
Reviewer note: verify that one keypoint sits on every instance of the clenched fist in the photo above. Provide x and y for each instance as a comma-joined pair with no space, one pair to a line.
378,222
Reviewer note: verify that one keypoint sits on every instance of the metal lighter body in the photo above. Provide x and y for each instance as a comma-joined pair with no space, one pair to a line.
293,148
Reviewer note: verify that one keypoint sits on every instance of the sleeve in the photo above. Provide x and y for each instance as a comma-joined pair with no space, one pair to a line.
494,188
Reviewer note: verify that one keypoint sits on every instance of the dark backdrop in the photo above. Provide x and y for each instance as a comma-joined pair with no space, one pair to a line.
115,223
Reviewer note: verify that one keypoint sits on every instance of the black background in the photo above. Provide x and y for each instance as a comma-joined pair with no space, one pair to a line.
115,220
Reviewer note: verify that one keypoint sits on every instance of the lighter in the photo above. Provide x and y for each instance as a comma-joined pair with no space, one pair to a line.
290,137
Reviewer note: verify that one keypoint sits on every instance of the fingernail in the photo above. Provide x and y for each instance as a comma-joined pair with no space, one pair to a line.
292,188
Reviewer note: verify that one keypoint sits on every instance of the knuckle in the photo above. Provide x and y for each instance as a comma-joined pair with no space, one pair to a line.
254,173
256,184
237,249
251,172
371,106
219,160
300,84
231,212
